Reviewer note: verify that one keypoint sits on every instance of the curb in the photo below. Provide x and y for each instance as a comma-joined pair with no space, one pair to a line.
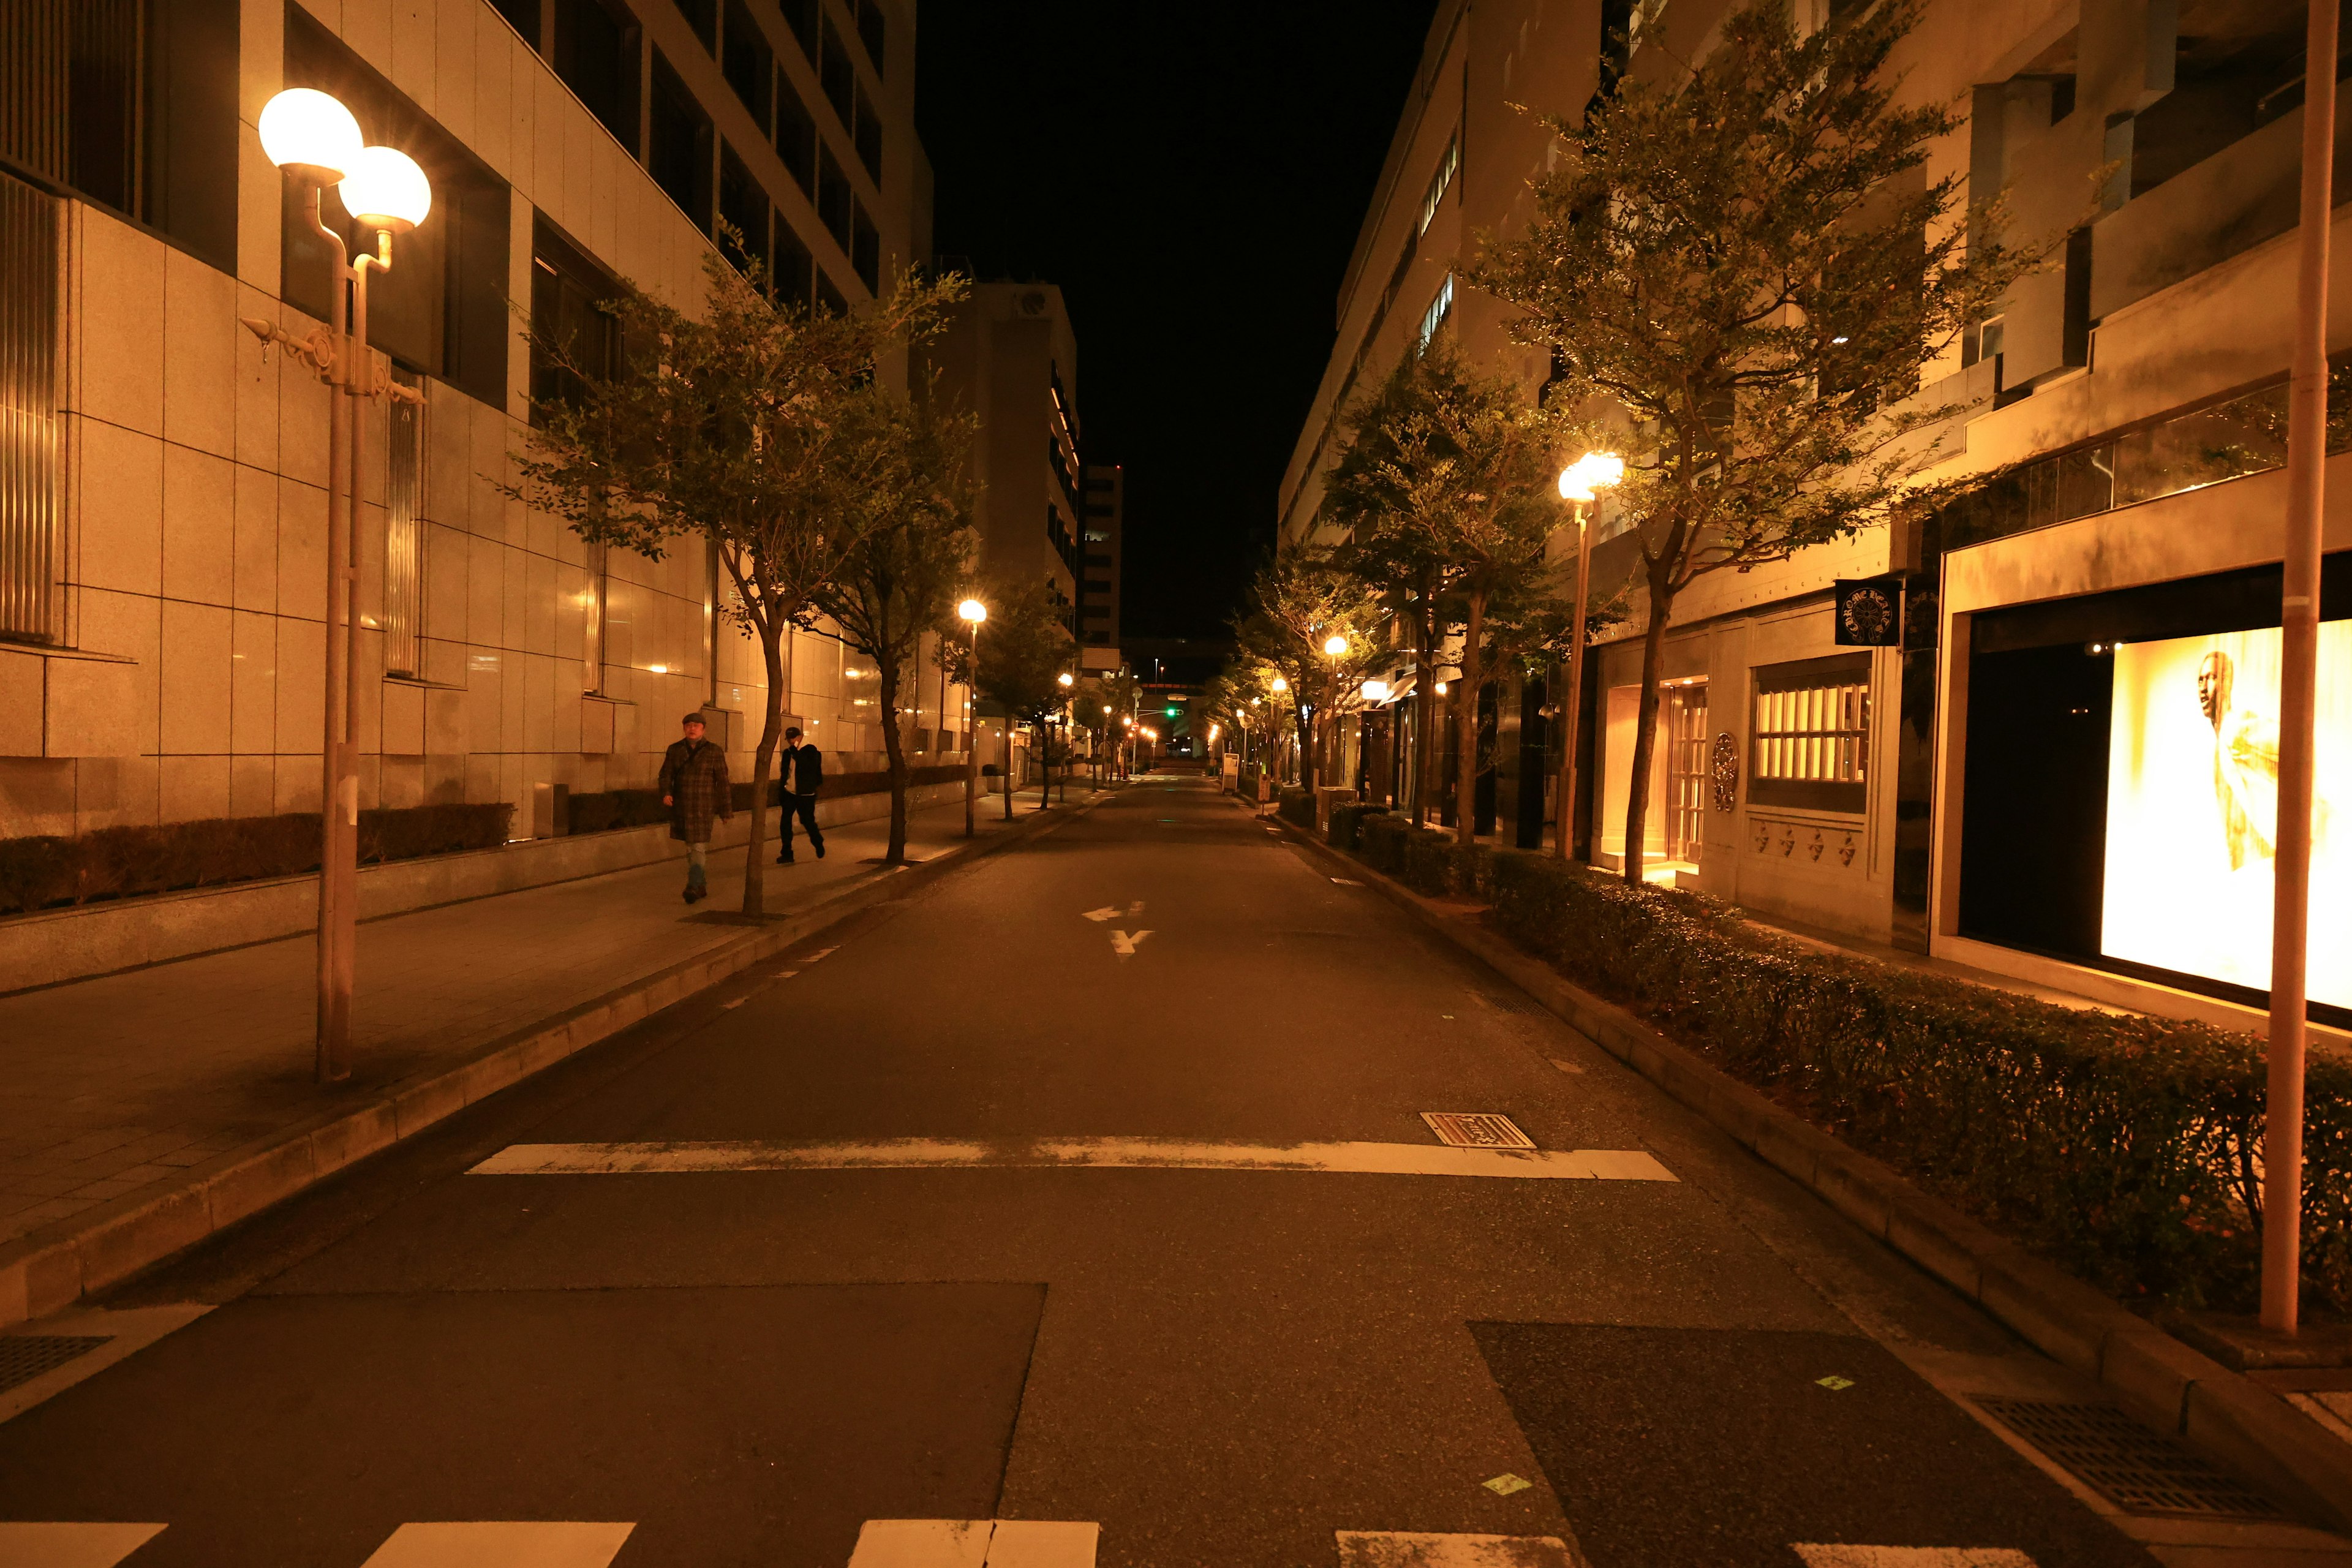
50,1268
2228,1417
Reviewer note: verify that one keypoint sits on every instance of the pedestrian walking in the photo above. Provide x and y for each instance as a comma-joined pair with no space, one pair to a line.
694,787
797,780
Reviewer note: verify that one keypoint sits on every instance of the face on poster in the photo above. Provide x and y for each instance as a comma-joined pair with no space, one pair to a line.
2192,810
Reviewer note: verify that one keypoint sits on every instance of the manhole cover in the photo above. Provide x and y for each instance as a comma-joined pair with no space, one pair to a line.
2140,1470
24,1357
1477,1130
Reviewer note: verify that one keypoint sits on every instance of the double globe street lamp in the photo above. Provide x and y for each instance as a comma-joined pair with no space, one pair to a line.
1578,482
972,612
315,141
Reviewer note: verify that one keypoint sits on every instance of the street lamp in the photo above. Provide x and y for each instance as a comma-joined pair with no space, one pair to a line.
972,612
314,140
1577,482
1064,680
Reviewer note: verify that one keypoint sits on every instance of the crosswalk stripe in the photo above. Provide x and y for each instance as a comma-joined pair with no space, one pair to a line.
1838,1555
975,1543
1409,1548
502,1543
74,1545
1120,1154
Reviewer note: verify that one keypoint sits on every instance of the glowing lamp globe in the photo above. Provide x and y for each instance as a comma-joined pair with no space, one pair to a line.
311,134
386,191
973,610
1280,684
1334,646
1593,471
1064,678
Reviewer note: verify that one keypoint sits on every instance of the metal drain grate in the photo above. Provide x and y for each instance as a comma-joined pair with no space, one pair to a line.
2139,1470
1477,1130
24,1357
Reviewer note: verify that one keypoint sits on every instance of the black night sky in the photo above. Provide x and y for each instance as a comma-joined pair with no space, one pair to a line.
1193,175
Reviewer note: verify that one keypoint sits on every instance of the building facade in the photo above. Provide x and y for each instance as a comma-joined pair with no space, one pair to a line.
1099,594
164,511
2035,734
1009,358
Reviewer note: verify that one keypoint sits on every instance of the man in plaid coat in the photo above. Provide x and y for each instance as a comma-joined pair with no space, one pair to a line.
694,787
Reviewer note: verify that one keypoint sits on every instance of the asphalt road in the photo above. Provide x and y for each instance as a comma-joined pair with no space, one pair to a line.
1223,1366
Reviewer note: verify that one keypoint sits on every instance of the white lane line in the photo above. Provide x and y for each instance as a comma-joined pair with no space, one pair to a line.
975,1543
1123,945
1842,1556
820,953
1408,1549
1096,1153
499,1543
72,1545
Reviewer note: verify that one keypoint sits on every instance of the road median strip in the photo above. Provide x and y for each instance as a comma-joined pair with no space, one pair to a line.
50,1268
2225,1416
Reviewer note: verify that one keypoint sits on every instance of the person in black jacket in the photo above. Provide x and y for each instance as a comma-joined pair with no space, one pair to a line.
801,774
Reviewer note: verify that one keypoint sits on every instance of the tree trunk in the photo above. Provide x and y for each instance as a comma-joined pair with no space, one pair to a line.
1645,725
771,654
1466,810
1306,746
895,744
1424,686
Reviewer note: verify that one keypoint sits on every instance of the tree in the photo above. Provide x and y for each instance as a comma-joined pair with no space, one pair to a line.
1029,650
914,521
1301,599
1753,269
733,427
1453,476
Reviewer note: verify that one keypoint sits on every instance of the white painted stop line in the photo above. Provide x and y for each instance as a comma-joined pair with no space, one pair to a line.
74,1545
1409,1548
1838,1555
502,1543
1071,1153
975,1543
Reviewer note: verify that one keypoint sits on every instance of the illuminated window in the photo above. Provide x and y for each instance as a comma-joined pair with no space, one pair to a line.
1438,183
1439,309
1811,742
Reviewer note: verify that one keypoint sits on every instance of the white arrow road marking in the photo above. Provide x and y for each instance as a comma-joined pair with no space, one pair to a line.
1408,1549
487,1543
1100,1153
974,1543
1842,1556
1108,912
1123,945
72,1545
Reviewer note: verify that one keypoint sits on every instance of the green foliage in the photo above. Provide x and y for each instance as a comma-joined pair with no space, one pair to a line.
47,872
1297,806
1025,650
1302,599
1348,817
2125,1148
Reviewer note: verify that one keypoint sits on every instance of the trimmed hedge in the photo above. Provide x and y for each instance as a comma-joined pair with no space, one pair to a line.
47,872
1426,860
2125,1148
1347,819
1297,806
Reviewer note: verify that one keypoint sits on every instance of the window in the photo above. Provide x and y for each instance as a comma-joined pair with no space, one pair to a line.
789,272
404,535
869,135
441,309
800,16
795,135
1810,743
748,64
873,32
592,628
742,207
1437,185
865,251
565,288
836,74
677,149
596,57
1439,309
702,15
1098,585
31,553
829,296
834,207
522,16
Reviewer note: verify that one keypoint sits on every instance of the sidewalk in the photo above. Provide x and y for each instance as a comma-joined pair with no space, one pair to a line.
127,1084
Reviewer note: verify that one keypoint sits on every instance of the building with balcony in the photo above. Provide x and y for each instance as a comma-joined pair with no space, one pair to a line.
163,479
1100,558
2037,733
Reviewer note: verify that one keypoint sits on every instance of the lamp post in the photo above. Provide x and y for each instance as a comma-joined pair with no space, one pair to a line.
1577,482
313,139
1066,680
2306,457
972,613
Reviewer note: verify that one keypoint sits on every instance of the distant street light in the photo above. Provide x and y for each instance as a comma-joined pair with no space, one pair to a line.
314,141
1376,692
973,612
1577,482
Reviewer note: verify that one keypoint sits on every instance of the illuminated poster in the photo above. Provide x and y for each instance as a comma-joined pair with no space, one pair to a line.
2192,810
